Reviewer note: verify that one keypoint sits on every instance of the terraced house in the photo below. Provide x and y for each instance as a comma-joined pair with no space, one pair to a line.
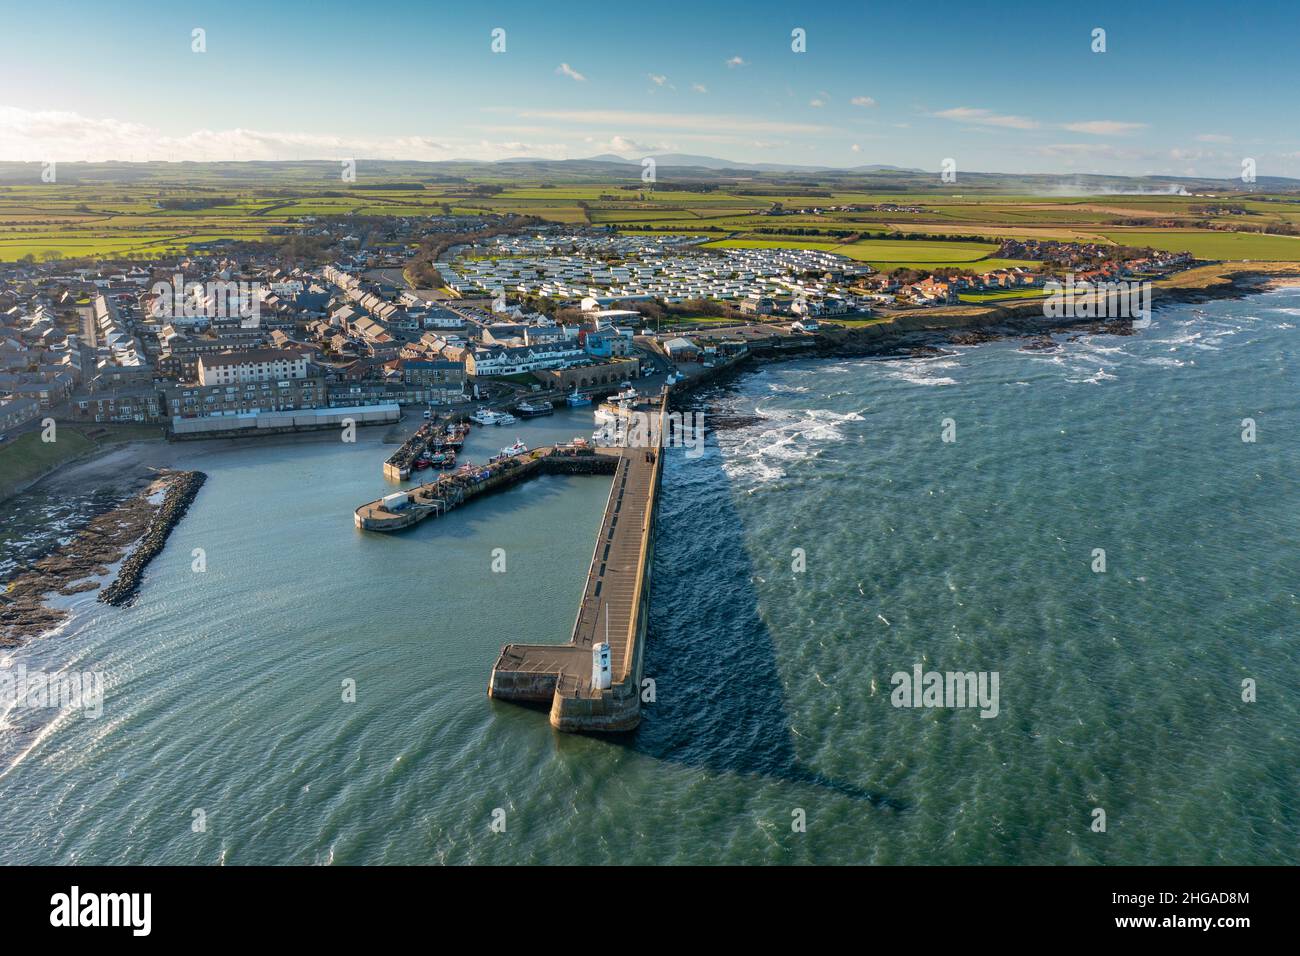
526,358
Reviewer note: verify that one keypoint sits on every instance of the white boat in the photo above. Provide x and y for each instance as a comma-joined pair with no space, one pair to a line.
610,435
486,416
673,378
617,408
534,409
518,448
575,400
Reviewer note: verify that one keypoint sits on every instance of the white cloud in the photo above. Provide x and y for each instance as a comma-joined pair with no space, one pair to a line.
699,88
624,146
736,61
1213,138
1104,127
862,101
658,79
36,135
565,70
856,148
816,103
981,117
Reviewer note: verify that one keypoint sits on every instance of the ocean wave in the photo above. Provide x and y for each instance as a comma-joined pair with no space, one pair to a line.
761,453
1166,361
779,389
920,371
1096,378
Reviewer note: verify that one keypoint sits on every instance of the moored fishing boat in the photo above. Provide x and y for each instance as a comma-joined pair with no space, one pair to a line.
534,409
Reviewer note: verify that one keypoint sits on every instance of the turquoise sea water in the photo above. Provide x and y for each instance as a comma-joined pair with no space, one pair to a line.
1119,690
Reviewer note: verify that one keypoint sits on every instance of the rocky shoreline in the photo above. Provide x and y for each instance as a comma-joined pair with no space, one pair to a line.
928,333
921,333
181,492
74,567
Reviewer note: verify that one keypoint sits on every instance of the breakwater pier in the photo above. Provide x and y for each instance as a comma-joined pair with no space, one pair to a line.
611,618
593,682
404,509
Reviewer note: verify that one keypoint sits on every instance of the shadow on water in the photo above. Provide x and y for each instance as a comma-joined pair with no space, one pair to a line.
720,698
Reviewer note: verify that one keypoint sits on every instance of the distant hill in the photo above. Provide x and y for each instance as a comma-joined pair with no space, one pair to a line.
878,168
611,158
689,160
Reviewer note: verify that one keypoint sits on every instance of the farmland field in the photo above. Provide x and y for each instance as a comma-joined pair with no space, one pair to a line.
1216,245
142,210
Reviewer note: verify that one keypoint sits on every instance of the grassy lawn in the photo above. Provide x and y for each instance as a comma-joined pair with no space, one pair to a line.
858,323
978,297
1204,277
518,378
26,456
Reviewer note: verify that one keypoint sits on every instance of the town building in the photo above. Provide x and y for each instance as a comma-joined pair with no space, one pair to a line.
253,365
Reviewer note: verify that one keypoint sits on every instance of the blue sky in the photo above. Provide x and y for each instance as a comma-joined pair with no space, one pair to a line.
1187,89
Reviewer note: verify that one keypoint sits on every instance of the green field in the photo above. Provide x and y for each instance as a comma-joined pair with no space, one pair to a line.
25,457
979,297
1217,245
917,251
144,210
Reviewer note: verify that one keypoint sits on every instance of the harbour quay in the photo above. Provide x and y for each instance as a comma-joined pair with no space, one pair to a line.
592,683
404,509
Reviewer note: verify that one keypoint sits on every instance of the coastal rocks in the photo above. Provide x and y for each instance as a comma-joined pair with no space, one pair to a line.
182,491
1040,343
74,567
728,422
973,337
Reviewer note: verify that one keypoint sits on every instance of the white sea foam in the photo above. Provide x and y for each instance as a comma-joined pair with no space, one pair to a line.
1096,378
921,371
780,389
761,453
